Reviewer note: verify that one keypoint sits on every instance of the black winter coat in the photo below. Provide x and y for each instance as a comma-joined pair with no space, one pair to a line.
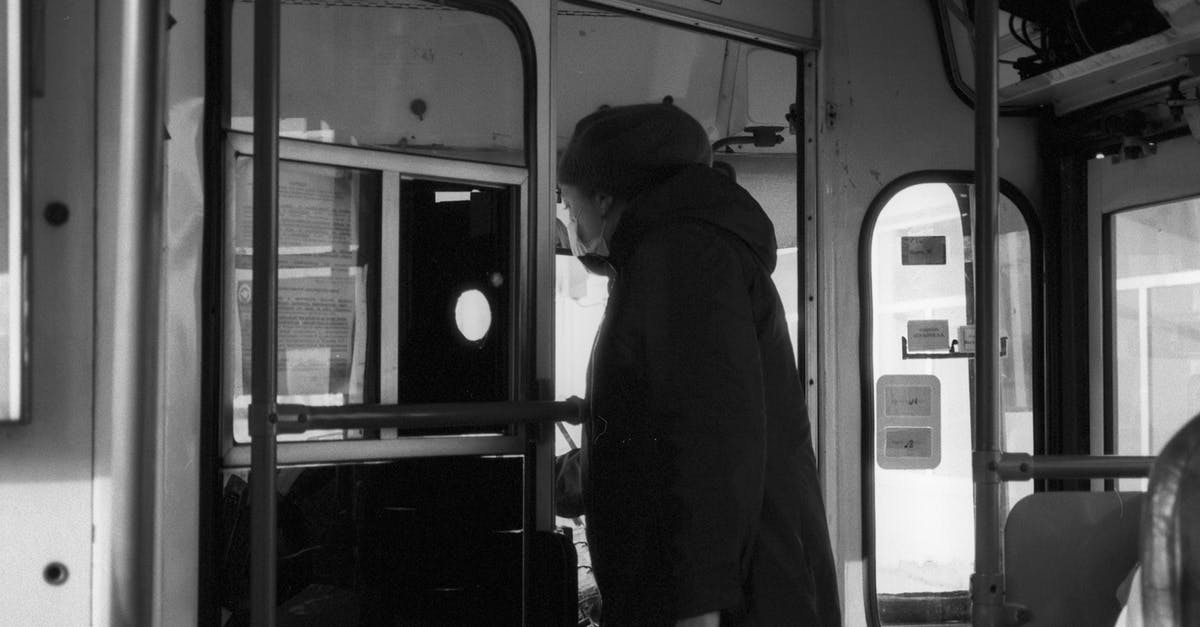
700,482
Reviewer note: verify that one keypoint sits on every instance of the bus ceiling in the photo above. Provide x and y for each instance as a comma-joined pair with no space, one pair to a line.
1074,55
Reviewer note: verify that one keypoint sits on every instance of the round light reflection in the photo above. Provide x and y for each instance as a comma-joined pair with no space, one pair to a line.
473,315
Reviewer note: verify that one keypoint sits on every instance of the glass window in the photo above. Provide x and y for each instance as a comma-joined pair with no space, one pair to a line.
328,243
1155,335
13,293
393,287
402,75
396,270
922,319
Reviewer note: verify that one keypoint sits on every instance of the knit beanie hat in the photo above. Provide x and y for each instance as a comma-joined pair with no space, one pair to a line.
625,150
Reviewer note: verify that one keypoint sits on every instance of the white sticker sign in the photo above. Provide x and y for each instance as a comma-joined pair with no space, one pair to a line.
908,442
928,335
924,250
966,338
908,421
908,400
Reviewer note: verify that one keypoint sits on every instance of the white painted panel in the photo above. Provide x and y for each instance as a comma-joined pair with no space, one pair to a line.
46,466
1170,174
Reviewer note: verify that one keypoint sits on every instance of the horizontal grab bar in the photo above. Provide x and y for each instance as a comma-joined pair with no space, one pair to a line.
409,417
1022,466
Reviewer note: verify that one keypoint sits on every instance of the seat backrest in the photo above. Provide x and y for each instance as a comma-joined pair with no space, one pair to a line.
1170,542
1066,553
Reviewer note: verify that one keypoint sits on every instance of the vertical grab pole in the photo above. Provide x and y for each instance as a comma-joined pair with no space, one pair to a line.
264,314
987,583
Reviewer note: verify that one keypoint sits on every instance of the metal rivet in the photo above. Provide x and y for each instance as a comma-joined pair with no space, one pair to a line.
55,573
57,213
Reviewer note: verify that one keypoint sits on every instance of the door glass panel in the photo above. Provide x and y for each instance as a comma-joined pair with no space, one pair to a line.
416,71
1155,285
328,249
922,307
392,288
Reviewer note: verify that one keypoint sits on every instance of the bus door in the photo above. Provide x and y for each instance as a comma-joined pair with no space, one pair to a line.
413,346
407,353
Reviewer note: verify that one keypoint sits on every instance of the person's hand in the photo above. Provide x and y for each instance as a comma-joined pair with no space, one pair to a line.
711,619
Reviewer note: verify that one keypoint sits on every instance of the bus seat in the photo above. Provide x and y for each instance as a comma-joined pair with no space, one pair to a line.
1171,533
1066,554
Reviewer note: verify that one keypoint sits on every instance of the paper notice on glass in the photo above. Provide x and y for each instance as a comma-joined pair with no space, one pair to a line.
928,335
307,370
318,213
317,321
966,338
358,360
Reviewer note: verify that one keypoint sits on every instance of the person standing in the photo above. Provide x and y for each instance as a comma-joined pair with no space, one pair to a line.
699,478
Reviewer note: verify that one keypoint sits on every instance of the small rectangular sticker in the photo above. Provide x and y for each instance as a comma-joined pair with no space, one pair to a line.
966,338
928,335
908,421
907,400
924,250
907,442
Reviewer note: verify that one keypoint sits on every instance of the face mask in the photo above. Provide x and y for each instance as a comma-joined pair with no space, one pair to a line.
580,247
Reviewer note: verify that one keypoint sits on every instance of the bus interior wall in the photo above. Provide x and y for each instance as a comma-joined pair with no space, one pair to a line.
879,82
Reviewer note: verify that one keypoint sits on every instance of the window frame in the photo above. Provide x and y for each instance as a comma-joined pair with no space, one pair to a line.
393,167
1108,317
217,90
217,442
219,15
865,347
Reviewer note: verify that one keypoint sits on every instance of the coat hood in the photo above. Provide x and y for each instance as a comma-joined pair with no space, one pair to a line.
696,192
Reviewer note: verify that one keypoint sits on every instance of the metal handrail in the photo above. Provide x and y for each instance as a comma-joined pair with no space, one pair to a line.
264,313
1022,466
988,607
412,417
993,466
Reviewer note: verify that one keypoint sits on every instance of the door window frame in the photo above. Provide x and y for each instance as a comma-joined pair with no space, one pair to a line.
1108,314
866,357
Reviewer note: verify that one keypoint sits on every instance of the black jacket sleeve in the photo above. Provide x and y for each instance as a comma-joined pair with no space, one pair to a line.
568,485
706,404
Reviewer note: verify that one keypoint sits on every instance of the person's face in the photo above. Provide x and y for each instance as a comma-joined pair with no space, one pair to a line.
588,210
